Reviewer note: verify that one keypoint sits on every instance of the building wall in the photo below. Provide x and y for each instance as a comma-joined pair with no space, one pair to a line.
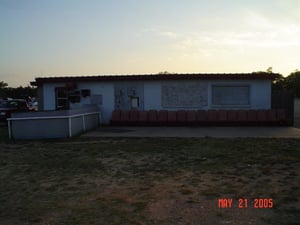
174,95
49,95
168,95
126,91
260,94
152,95
102,94
105,90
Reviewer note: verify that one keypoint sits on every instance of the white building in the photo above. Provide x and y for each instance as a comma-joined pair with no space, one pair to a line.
171,92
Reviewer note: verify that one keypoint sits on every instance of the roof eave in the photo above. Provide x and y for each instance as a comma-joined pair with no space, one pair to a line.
214,76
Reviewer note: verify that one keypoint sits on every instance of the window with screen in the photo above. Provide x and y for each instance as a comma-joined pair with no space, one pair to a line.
230,95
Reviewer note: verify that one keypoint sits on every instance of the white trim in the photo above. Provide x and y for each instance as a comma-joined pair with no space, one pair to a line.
69,117
53,117
9,129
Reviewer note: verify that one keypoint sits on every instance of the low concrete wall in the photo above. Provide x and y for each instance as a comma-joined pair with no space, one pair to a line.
53,124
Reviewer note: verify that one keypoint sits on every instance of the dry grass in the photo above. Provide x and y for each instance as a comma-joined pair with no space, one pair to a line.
148,181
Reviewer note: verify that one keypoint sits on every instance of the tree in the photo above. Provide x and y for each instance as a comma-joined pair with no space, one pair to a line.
3,85
292,82
278,82
270,70
19,92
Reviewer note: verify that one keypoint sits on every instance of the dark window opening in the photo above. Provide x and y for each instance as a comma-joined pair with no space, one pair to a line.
61,99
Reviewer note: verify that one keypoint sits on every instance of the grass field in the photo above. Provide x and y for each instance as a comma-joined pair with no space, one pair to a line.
148,181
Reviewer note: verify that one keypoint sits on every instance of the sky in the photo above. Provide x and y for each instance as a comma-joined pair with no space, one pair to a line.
42,38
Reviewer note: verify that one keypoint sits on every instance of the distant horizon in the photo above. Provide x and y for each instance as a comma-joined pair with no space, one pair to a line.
45,38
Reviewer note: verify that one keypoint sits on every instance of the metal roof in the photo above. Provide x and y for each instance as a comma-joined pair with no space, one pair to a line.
187,76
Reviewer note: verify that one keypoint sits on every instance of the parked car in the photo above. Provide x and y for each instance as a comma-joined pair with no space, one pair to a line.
5,98
7,107
34,106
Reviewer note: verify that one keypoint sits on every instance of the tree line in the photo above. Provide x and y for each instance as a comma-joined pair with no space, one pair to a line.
18,92
291,83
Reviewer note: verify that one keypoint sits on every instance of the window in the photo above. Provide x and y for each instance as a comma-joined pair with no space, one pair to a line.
134,102
61,98
230,95
74,96
85,92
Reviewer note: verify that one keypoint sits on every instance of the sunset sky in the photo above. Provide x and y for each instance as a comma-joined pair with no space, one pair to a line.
98,37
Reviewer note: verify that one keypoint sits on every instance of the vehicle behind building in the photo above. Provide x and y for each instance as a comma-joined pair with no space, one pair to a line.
7,107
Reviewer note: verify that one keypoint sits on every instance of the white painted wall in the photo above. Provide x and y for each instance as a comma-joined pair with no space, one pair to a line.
260,95
152,95
106,89
49,95
260,92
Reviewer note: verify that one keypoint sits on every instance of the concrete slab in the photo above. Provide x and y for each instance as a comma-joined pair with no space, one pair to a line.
218,132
